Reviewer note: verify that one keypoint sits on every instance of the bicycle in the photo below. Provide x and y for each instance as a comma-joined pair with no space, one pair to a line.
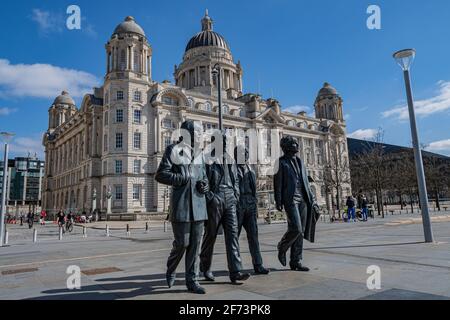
69,225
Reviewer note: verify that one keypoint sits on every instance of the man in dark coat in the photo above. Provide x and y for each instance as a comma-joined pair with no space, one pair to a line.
221,203
183,168
248,208
293,193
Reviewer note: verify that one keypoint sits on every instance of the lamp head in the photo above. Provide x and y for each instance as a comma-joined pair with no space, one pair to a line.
6,137
405,58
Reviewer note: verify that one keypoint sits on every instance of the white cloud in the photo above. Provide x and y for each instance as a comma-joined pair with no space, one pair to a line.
21,146
47,22
296,109
7,111
439,103
363,134
442,146
43,80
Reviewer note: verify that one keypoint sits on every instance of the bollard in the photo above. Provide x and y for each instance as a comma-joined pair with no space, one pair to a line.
34,236
6,238
165,226
107,231
60,233
128,230
84,232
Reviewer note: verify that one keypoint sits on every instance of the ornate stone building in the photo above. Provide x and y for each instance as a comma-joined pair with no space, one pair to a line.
116,138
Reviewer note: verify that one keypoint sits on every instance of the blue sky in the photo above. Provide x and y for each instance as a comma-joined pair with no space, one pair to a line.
288,49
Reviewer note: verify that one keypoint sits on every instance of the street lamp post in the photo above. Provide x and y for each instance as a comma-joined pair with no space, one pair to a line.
405,58
217,72
6,136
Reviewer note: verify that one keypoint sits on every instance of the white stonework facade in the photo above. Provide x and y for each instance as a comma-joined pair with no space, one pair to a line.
117,137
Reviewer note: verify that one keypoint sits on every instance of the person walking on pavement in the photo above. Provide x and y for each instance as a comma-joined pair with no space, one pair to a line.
351,210
365,208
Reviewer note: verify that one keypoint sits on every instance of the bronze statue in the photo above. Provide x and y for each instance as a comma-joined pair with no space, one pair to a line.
188,212
248,209
293,194
221,203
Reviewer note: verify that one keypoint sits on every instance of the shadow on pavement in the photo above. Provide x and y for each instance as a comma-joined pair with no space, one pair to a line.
139,285
368,245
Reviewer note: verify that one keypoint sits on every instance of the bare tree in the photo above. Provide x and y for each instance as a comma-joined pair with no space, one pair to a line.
437,175
369,169
336,172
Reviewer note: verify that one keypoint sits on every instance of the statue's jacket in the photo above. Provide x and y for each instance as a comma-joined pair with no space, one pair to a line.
285,181
215,173
177,169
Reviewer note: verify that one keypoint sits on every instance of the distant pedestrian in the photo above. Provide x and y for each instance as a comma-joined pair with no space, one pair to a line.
30,219
21,219
365,208
351,211
61,219
43,217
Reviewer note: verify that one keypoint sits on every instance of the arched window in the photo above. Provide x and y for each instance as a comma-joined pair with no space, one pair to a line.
208,106
242,113
170,100
226,109
137,61
302,125
191,102
291,123
123,60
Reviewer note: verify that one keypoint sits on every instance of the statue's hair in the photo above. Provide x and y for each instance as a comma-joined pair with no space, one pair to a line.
286,142
188,125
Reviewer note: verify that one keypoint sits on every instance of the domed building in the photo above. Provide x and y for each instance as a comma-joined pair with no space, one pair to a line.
103,155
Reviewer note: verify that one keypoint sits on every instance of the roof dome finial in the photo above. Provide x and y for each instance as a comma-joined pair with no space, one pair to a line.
207,22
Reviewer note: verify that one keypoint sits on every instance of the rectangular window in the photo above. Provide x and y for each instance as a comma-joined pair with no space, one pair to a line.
168,124
137,116
137,166
136,192
106,118
118,192
118,166
119,115
137,140
105,142
167,140
137,96
119,95
119,140
105,167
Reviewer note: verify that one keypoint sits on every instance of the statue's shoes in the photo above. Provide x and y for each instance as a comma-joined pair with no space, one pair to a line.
239,277
261,270
196,288
299,267
170,277
209,276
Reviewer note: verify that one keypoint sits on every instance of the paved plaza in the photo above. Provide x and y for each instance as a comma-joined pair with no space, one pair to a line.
133,266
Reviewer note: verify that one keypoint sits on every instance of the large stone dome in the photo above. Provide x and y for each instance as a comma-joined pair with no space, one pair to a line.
207,37
327,90
64,98
129,26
